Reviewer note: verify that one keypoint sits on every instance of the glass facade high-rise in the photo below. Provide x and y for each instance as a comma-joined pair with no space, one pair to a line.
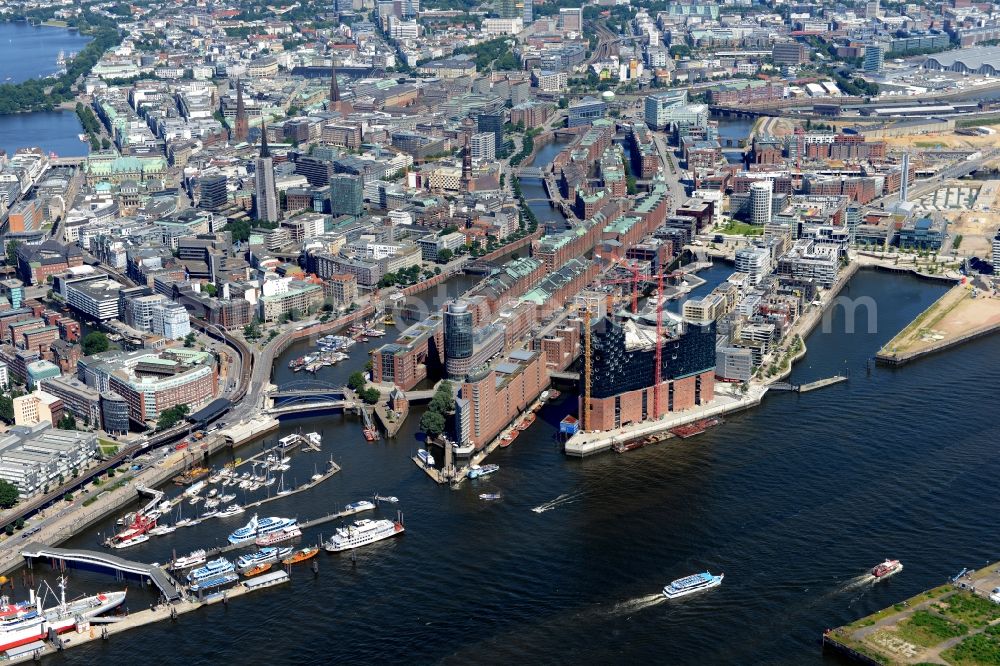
618,368
457,330
212,192
346,195
493,123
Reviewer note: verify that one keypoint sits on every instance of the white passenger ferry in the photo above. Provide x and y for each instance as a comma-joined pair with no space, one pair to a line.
691,584
362,533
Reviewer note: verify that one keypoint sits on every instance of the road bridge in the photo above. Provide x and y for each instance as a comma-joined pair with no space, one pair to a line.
103,563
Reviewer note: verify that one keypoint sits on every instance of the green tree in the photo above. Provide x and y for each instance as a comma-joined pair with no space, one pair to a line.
189,339
445,255
67,422
95,343
210,289
370,395
432,423
252,330
8,494
12,251
172,416
356,381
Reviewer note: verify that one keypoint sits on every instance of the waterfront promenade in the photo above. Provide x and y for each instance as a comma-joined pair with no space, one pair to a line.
728,399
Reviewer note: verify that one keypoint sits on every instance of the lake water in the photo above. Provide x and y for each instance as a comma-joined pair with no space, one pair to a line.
27,52
55,131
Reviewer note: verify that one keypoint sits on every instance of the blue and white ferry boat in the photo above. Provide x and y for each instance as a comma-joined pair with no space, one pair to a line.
214,582
477,471
262,556
691,584
211,569
260,527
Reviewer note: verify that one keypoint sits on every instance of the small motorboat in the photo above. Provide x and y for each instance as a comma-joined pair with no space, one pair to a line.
489,496
886,569
391,499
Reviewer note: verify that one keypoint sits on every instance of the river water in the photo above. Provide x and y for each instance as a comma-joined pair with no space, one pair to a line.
793,500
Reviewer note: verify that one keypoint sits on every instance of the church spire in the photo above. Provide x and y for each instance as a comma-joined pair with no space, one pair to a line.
264,152
241,127
334,88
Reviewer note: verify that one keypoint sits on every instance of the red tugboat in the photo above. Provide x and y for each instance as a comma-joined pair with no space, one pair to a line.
886,569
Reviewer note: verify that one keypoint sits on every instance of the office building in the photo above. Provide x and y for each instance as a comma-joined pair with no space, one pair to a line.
151,381
264,190
346,195
171,320
36,407
789,53
585,112
33,458
114,413
571,19
760,202
874,58
483,146
77,398
212,192
457,334
492,123
996,254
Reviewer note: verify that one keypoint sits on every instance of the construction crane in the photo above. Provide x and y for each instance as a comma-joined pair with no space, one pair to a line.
659,346
585,408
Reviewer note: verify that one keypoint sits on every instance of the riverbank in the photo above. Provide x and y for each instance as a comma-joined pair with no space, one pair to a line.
960,315
955,623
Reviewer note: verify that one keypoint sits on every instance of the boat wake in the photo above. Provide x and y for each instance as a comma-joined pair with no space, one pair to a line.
565,498
637,604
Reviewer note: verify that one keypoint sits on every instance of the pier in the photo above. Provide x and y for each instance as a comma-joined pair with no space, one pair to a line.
810,386
105,563
112,625
947,624
962,314
330,517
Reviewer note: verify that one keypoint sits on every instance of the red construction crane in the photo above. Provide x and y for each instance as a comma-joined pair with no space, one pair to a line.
658,278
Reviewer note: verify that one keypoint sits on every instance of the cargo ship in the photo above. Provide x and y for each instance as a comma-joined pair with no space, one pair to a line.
191,475
623,447
695,428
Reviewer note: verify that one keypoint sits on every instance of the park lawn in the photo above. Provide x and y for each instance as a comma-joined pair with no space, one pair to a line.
735,228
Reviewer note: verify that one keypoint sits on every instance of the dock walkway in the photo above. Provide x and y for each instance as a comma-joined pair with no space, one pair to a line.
97,560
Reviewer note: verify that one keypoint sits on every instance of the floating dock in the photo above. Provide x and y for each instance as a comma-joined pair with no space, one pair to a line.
111,625
955,623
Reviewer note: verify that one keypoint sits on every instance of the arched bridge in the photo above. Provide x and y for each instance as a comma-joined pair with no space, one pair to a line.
104,563
304,392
